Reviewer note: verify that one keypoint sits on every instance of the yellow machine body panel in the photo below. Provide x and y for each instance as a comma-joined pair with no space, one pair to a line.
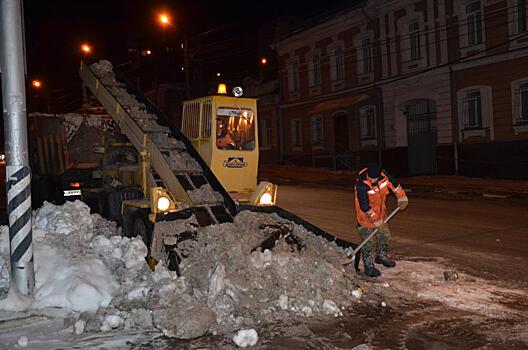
223,129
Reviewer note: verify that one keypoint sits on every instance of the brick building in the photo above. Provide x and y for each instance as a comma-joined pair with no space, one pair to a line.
425,87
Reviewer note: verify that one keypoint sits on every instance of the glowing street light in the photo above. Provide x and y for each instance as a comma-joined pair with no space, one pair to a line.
164,19
86,49
263,60
149,52
37,84
218,74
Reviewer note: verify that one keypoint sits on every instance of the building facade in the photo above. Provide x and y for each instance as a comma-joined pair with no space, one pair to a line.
424,87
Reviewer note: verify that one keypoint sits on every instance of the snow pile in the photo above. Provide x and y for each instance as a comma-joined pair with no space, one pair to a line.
227,283
246,288
67,274
245,338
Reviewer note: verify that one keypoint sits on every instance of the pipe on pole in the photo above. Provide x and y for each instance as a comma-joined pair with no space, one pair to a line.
18,172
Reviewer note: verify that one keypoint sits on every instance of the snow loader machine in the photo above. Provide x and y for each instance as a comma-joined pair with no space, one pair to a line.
205,172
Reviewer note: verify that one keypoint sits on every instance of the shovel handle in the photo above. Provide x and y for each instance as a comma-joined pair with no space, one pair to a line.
351,255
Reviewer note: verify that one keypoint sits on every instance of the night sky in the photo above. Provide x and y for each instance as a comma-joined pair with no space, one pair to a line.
55,30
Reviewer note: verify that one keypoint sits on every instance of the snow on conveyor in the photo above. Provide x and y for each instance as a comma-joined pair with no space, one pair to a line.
85,266
177,157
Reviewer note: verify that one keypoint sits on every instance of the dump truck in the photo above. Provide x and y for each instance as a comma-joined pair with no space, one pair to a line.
159,172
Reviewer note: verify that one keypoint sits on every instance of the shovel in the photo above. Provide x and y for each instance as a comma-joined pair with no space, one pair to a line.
352,256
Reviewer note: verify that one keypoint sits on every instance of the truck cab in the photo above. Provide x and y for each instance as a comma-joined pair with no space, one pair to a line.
223,129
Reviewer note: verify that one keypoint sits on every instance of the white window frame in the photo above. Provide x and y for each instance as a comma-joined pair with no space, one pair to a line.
293,125
408,64
513,24
266,134
364,76
313,60
519,111
486,108
333,58
317,141
474,23
414,38
293,76
365,137
463,28
366,53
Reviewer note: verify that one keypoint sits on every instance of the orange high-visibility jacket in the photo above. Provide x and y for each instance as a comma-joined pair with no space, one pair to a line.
370,198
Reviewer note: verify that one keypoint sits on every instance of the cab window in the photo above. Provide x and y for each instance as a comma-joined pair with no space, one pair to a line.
235,129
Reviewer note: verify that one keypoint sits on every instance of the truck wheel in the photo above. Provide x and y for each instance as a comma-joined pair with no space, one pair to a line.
142,228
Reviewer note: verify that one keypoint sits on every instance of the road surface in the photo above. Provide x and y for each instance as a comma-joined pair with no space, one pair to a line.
485,237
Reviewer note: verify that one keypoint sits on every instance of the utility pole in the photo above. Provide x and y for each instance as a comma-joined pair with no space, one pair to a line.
18,172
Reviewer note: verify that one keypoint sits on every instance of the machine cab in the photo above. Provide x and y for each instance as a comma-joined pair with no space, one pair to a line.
223,129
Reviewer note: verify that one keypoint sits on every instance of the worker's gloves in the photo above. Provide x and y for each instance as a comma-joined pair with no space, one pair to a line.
403,202
380,225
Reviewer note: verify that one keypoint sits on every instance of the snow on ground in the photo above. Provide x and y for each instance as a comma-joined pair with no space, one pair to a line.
424,280
85,267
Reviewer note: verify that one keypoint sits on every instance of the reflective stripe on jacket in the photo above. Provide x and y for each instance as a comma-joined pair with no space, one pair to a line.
370,198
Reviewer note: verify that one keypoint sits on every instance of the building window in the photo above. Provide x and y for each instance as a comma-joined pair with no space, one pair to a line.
474,23
521,16
296,133
450,7
265,133
314,70
337,65
293,77
414,40
366,49
317,130
367,121
472,110
520,108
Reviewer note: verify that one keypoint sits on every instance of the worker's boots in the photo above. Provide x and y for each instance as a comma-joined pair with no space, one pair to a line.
382,258
368,263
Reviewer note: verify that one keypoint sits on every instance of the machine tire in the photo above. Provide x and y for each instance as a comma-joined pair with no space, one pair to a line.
142,227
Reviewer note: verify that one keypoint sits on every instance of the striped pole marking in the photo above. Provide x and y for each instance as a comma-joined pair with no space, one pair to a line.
20,235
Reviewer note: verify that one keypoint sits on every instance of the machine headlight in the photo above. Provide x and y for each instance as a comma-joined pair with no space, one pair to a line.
265,194
163,203
266,199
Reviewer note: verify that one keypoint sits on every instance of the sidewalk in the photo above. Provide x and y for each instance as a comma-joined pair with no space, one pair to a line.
456,185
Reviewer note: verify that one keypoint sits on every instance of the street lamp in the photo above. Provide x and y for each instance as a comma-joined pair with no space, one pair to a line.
37,84
263,60
164,19
86,49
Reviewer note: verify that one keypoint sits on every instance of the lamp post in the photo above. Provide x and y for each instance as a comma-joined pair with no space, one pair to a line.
18,172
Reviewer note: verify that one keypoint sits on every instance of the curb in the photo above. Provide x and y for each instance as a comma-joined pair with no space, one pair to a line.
498,195
418,189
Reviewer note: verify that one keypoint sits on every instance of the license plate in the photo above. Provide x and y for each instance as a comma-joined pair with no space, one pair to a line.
68,193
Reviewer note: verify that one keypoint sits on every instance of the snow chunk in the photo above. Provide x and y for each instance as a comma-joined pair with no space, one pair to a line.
134,253
216,284
204,194
78,327
245,338
283,302
71,217
79,283
112,321
23,341
330,307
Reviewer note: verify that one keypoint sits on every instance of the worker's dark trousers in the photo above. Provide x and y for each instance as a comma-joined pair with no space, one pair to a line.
383,237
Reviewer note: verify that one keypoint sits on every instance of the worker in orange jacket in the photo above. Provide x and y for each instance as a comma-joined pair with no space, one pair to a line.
371,191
